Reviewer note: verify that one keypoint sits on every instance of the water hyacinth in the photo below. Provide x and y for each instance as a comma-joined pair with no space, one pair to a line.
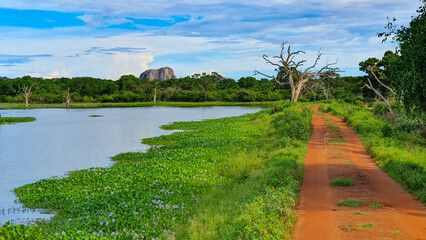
154,191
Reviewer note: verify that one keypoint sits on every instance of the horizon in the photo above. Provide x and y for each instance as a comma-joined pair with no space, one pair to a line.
62,38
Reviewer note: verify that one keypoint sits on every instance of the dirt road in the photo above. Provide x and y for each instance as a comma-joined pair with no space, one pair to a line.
387,212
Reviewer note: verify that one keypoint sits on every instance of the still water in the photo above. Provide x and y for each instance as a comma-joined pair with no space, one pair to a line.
65,140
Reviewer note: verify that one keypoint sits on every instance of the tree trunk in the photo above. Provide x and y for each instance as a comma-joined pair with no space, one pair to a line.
155,96
68,100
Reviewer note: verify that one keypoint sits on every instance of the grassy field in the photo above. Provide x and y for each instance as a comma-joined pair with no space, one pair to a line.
8,120
397,148
137,104
230,178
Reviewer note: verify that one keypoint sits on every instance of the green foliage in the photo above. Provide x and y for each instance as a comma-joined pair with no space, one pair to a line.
21,232
410,67
293,124
341,182
197,88
6,120
350,203
267,215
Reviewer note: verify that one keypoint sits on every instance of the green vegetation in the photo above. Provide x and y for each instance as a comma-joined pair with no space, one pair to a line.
140,104
396,143
341,182
7,120
397,233
361,227
350,203
96,116
328,119
364,227
232,178
375,205
359,213
333,127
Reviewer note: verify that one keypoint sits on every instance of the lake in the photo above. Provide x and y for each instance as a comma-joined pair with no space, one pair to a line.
65,140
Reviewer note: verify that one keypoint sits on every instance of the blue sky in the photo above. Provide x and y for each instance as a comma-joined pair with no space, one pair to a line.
107,39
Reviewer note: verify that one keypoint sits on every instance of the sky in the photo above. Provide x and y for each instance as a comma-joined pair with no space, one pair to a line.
107,39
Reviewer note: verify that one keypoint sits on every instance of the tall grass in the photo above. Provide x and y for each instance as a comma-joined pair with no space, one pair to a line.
397,148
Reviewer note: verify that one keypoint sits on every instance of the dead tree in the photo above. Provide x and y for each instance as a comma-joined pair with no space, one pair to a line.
68,100
155,96
27,92
377,92
290,70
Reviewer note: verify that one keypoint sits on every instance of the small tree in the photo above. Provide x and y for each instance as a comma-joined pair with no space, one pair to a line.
289,71
27,92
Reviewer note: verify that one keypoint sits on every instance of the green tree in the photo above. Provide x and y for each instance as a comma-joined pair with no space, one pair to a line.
410,67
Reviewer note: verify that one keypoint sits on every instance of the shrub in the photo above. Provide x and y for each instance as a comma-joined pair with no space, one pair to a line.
294,124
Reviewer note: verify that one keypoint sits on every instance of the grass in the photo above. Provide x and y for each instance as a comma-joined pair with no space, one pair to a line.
350,203
328,119
233,178
397,233
375,205
8,120
359,213
337,140
139,104
400,154
341,182
333,127
361,227
96,115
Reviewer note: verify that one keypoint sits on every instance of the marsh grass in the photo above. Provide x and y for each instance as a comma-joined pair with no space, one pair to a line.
341,182
9,120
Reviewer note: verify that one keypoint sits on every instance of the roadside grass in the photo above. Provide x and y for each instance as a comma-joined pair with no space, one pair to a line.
341,182
350,203
233,178
9,120
397,151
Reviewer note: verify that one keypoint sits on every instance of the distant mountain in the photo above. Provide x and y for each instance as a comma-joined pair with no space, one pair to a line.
164,73
3,77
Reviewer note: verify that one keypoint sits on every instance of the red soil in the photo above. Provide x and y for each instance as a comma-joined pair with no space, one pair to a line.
402,217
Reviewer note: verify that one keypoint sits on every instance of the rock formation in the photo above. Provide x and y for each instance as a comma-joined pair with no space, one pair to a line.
164,73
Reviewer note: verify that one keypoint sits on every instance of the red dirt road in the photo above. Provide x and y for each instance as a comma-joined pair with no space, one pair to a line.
340,154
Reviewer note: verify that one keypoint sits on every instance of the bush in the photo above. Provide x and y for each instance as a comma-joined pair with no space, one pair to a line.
294,124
